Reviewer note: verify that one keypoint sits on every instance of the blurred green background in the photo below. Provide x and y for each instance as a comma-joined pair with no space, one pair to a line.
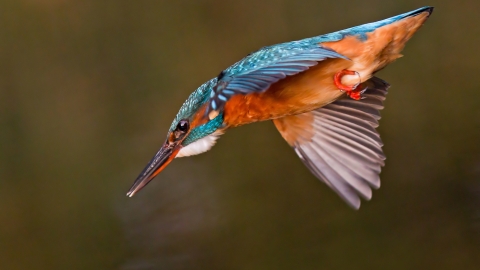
89,88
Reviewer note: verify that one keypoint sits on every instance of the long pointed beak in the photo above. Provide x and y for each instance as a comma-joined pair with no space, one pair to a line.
161,159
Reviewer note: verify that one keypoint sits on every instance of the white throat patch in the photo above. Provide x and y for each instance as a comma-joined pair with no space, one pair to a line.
200,146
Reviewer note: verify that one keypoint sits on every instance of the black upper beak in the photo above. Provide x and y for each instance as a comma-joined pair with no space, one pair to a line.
161,159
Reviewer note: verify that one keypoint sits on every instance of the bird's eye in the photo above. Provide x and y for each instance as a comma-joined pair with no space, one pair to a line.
182,126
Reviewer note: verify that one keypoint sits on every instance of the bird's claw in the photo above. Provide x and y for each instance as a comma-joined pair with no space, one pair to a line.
355,91
356,94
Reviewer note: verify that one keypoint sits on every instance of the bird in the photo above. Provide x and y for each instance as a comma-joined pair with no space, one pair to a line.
321,94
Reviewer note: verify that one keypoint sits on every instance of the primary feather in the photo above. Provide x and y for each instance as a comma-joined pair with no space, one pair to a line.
344,150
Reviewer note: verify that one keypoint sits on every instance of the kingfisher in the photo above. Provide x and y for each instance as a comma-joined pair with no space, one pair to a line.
320,93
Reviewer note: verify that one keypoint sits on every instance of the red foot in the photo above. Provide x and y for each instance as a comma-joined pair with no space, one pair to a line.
355,92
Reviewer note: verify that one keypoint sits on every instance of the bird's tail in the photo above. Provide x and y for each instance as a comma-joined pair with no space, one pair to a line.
374,45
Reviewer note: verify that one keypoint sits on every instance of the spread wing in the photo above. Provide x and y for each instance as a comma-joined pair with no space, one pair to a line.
339,143
257,71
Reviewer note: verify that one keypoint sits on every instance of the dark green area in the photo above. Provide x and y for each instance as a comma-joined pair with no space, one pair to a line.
88,90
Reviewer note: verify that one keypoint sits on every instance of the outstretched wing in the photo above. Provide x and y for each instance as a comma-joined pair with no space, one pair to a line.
257,71
339,143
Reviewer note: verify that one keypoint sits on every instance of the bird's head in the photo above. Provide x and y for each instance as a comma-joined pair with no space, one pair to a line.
192,132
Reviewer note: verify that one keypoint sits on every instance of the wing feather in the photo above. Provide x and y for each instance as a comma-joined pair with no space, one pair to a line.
342,147
259,70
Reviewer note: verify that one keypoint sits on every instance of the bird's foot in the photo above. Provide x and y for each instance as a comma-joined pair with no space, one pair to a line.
354,91
357,93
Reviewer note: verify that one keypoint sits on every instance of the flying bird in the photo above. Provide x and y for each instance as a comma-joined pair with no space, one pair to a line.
321,94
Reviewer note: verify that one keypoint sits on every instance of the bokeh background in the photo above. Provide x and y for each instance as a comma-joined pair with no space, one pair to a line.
89,88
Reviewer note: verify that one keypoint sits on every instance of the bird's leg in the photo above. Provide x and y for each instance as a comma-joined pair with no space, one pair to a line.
355,91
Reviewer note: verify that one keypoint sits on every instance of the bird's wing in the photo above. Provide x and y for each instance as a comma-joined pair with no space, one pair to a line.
257,71
339,143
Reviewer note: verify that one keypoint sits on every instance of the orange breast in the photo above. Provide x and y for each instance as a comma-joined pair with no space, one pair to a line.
296,94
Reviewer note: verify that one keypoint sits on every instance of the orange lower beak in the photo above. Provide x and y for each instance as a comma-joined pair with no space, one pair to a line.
161,159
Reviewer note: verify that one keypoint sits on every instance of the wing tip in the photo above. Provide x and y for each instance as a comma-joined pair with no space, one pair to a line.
355,205
428,9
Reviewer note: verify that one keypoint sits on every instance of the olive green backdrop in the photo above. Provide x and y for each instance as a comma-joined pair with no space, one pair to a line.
89,88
